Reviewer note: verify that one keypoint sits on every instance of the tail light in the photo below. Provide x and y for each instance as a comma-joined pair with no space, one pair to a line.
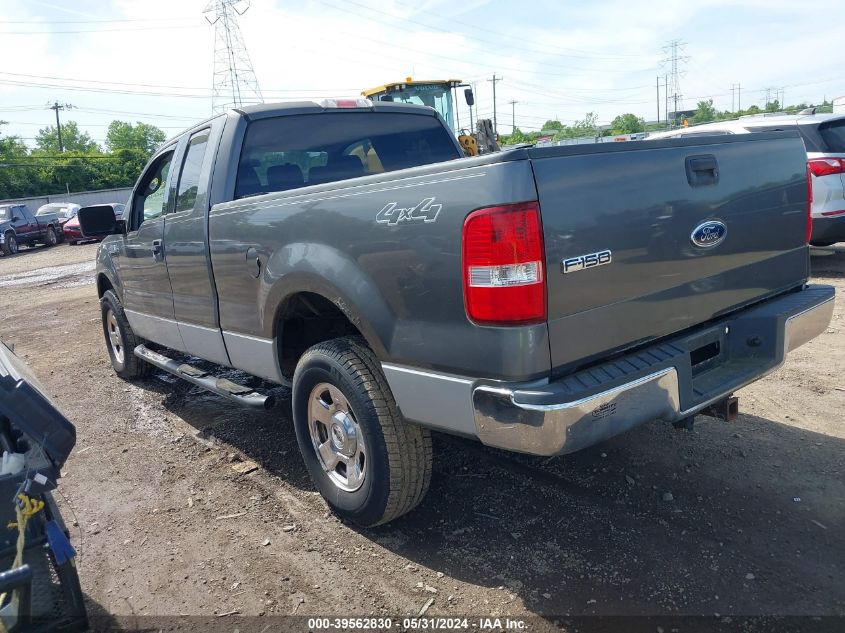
809,231
826,166
504,277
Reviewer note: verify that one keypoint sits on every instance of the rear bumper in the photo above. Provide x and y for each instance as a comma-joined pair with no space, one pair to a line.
668,380
831,229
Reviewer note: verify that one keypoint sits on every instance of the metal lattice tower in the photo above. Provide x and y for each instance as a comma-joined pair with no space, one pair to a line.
235,83
674,59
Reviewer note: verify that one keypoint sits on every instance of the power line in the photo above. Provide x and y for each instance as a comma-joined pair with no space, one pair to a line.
430,53
115,30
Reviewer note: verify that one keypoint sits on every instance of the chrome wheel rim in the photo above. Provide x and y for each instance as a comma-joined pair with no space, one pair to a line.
51,237
13,244
336,437
113,333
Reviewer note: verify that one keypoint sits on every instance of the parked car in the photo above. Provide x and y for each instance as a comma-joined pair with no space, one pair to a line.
824,140
18,226
540,300
64,211
73,234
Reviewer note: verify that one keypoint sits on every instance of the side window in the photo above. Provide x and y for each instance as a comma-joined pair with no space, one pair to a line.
150,199
189,179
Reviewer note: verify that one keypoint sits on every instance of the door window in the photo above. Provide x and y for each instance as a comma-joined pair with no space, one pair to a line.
150,196
189,179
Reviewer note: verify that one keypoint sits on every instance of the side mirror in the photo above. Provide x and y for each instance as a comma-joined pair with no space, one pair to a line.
99,220
16,218
469,97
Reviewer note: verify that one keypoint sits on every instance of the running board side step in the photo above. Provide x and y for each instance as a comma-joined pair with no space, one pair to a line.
221,386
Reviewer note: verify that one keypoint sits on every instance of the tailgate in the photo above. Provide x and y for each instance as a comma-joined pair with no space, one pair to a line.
620,218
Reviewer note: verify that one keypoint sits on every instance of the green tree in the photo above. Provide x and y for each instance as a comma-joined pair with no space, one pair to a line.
552,124
704,112
627,124
588,126
73,140
773,106
141,136
17,178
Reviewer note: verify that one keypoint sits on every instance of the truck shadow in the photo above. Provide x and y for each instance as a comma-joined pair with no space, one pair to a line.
742,518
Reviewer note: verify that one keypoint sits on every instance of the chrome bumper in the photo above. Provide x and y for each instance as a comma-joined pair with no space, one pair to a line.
529,420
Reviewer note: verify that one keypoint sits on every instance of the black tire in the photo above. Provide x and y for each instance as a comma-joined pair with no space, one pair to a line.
72,242
125,363
397,470
822,244
10,244
50,239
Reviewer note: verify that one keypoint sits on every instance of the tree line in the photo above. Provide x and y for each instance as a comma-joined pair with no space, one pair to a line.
79,163
629,123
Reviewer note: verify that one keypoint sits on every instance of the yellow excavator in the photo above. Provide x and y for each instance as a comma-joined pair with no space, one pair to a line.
438,94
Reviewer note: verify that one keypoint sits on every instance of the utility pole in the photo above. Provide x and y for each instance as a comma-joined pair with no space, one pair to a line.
56,106
494,80
666,96
513,115
738,98
657,83
234,83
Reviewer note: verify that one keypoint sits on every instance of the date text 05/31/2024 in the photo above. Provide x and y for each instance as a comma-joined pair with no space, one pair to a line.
416,623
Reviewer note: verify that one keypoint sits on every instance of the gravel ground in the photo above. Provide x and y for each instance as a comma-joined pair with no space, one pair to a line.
742,518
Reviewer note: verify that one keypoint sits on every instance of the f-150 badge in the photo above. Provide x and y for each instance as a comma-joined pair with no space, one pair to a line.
426,211
582,262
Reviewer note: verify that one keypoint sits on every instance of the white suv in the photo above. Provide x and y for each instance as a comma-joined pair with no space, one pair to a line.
824,139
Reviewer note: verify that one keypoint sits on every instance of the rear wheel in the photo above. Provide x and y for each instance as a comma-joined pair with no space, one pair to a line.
10,244
370,465
121,341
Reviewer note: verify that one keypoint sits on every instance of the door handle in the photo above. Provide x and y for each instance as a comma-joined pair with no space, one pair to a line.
702,170
157,250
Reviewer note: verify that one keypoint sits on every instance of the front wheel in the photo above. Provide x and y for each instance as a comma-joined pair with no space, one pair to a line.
51,239
10,244
370,465
121,341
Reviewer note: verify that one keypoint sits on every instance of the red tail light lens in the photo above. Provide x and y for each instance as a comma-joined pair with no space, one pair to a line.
826,166
809,231
504,277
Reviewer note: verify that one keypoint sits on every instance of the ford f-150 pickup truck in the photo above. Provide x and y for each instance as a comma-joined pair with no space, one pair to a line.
540,300
19,226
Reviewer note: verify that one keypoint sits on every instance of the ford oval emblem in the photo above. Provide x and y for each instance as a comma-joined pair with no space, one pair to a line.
709,234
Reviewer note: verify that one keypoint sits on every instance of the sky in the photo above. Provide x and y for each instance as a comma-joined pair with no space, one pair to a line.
152,60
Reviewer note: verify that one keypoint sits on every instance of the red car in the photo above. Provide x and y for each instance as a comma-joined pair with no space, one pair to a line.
73,233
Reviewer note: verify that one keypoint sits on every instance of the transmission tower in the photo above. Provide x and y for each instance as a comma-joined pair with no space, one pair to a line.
674,59
234,83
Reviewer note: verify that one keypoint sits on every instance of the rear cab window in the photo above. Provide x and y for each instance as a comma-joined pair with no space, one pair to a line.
288,152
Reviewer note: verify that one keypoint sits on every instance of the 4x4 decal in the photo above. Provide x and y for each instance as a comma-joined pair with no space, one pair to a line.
426,211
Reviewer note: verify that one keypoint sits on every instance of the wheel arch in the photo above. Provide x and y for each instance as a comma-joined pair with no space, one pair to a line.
320,313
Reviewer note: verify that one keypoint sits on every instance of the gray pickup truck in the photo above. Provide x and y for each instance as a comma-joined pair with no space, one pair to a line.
539,300
18,226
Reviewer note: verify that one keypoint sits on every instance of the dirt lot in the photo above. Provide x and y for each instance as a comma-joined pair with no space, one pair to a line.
167,526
